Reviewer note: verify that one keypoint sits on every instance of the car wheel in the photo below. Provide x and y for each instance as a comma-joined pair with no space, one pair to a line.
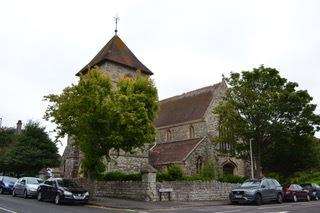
316,198
258,199
279,198
25,194
13,193
308,198
295,199
39,196
1,190
57,200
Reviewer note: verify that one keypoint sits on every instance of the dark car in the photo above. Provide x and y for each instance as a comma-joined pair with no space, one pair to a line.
26,186
257,191
314,190
296,193
62,190
6,184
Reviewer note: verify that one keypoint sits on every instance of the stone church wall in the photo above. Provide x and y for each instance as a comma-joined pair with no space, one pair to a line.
205,150
211,119
182,132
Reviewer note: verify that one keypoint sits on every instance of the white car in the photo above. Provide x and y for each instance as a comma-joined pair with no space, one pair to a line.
26,186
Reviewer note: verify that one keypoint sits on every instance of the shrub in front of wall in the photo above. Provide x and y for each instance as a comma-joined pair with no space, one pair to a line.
231,179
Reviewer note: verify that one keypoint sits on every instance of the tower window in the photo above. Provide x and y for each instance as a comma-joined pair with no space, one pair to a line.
199,164
168,135
191,132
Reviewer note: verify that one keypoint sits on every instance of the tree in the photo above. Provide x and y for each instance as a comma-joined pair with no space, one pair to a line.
7,139
33,150
302,151
101,117
260,106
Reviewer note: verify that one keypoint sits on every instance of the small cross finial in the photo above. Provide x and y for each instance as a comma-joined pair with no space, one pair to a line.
116,20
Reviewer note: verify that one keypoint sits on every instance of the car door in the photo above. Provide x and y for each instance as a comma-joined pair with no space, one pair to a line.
18,187
23,186
51,189
265,190
302,194
45,190
272,190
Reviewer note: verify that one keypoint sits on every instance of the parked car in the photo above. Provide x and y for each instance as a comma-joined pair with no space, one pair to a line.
257,191
314,190
26,186
296,193
61,191
6,184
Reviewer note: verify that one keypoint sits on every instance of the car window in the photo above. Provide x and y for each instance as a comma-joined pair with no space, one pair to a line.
9,179
298,187
276,182
34,181
49,182
291,187
265,183
252,183
271,183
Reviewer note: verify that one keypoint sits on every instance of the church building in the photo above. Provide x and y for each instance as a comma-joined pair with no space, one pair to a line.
185,124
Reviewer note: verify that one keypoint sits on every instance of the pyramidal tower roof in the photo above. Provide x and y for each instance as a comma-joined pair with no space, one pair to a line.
116,51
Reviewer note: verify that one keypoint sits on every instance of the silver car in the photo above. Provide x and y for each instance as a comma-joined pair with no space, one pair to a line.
26,186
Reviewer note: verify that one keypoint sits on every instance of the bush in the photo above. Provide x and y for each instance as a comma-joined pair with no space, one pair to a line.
174,172
306,176
119,176
208,172
231,179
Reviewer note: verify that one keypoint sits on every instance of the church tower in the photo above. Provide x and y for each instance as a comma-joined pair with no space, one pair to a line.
117,60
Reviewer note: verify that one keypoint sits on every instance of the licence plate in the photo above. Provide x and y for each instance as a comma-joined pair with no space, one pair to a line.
78,197
238,196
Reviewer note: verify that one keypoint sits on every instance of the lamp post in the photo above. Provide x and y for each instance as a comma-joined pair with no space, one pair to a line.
251,159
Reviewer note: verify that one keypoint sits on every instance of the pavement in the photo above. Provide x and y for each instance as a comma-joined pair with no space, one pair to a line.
141,205
9,204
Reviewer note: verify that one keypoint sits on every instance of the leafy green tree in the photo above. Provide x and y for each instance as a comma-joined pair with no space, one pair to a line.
7,140
33,150
302,151
261,106
101,117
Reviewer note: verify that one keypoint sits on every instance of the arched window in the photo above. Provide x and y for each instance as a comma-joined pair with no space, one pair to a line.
228,169
191,132
168,135
199,164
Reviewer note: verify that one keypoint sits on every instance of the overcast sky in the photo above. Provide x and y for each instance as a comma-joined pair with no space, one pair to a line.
187,44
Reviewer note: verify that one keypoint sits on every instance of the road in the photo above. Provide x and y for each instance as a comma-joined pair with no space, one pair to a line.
9,204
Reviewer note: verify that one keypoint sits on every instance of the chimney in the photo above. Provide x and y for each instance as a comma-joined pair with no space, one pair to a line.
19,127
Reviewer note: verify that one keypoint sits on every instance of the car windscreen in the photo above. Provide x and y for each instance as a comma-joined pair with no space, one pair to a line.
9,179
67,183
34,181
251,184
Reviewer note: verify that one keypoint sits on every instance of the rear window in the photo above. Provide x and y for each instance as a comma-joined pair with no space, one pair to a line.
9,179
275,182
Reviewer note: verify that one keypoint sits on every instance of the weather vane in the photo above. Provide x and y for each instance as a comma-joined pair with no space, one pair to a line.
116,20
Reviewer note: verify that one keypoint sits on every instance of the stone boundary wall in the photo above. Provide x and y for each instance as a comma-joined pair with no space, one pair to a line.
147,189
197,190
133,190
